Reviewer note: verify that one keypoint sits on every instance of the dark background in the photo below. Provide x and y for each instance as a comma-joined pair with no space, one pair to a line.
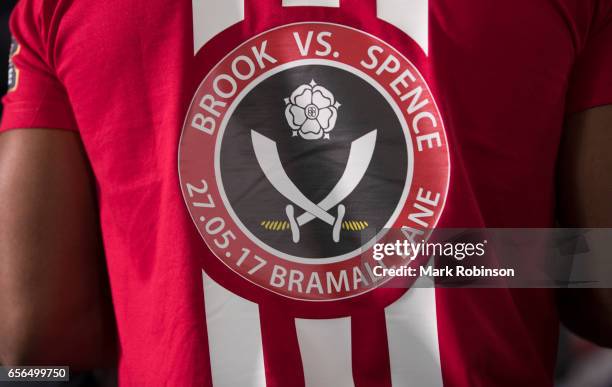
580,363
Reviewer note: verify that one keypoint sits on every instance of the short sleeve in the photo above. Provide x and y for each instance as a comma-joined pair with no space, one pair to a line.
591,83
35,97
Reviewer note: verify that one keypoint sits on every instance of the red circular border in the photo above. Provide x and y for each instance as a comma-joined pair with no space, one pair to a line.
197,156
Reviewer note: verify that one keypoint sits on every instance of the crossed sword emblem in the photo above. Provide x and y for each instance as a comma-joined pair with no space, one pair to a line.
360,156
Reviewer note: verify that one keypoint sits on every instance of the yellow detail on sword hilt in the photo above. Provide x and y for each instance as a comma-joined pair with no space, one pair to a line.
275,225
283,225
354,225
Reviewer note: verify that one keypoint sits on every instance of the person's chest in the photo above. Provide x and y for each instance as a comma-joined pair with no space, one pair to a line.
497,72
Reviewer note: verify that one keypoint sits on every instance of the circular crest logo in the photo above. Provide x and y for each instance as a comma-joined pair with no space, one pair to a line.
302,148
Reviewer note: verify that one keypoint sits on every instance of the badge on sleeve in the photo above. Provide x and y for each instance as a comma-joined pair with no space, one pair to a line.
13,71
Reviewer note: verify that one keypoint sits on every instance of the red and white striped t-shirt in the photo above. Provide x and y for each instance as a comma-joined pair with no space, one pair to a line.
248,154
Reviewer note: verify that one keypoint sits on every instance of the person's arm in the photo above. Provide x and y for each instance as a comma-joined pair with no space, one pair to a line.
585,200
54,298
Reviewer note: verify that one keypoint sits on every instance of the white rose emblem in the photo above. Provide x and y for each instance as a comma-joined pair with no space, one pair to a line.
311,111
